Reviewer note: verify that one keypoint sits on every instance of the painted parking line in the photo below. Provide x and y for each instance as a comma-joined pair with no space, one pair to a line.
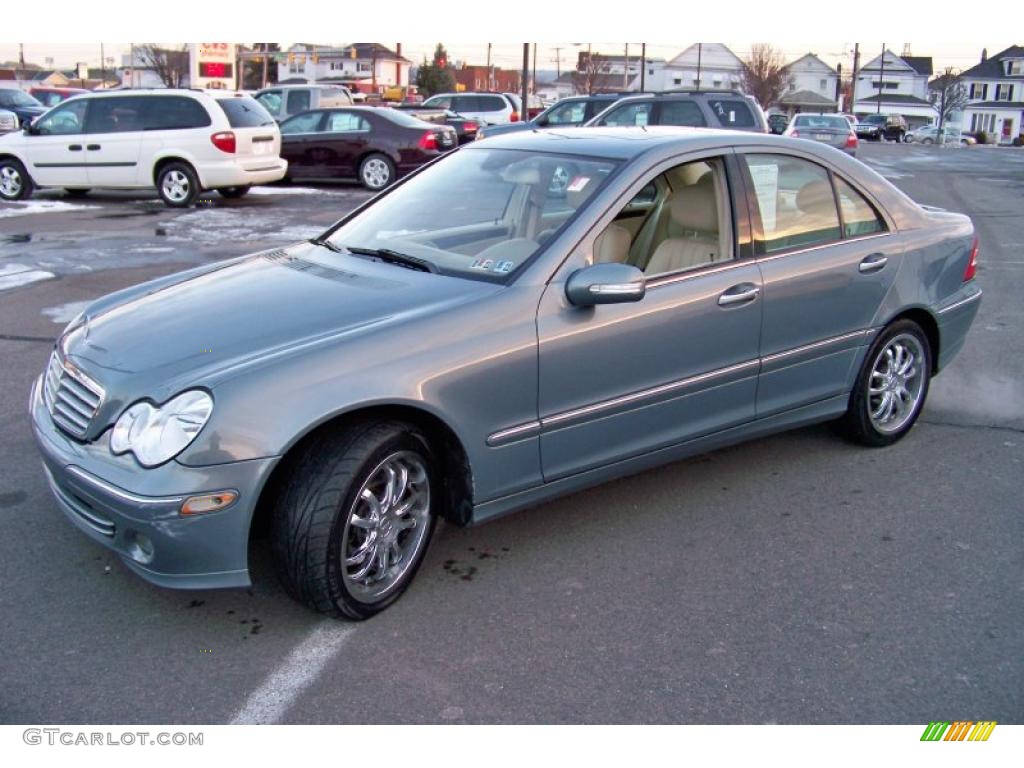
269,703
17,275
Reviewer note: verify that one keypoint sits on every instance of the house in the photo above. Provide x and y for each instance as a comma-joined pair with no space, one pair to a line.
813,86
891,84
995,91
367,67
620,72
704,66
480,77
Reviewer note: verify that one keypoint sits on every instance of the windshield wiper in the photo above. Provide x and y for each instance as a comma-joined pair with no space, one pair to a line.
326,244
394,257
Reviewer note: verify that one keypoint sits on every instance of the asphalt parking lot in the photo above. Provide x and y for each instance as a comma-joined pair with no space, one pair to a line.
794,579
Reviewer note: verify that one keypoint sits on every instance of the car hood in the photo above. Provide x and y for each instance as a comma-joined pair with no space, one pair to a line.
161,337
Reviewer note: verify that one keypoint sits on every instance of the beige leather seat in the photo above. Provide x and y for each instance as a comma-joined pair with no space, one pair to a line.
694,216
612,245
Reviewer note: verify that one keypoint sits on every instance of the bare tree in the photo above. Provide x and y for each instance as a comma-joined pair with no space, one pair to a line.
948,94
589,69
169,62
765,76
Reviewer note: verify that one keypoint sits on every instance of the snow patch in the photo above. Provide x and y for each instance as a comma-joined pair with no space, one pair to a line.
65,313
17,275
40,206
288,191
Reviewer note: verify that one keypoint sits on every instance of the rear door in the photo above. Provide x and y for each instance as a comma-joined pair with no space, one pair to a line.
825,276
345,139
300,139
55,151
114,129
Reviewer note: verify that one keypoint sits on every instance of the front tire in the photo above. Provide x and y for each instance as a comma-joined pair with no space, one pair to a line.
177,185
15,183
891,387
376,172
354,518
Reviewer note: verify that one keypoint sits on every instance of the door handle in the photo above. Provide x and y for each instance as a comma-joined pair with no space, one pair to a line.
873,263
739,294
75,147
93,147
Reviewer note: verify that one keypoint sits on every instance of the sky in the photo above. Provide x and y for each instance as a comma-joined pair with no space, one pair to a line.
509,55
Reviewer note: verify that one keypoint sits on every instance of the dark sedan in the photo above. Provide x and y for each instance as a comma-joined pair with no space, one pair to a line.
27,108
374,146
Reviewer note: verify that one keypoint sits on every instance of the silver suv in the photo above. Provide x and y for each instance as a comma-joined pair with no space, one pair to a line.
698,109
283,101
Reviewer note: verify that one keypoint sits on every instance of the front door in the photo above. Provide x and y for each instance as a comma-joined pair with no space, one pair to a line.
56,147
622,380
826,272
114,129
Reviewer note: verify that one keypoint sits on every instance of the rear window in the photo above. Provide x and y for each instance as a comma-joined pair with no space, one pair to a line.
243,112
822,121
399,117
167,113
732,113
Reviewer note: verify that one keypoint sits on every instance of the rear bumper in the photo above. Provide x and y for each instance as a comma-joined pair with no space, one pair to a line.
135,512
954,318
231,173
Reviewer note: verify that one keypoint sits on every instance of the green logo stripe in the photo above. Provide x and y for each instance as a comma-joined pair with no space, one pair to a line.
934,731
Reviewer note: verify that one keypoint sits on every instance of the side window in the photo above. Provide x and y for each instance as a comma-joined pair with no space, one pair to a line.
308,122
681,113
678,222
566,114
795,200
338,122
63,120
859,217
492,104
638,113
165,113
115,115
298,101
271,101
732,113
466,104
439,102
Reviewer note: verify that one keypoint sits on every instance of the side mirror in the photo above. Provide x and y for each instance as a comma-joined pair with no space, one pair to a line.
605,284
540,122
31,130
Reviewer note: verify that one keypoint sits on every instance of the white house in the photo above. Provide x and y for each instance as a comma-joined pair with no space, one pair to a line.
891,84
813,86
702,65
995,89
365,66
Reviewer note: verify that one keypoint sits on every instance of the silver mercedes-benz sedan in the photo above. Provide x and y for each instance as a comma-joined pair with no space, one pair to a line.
478,339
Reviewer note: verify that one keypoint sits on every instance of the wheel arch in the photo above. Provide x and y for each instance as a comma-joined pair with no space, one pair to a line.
448,449
160,162
7,155
927,322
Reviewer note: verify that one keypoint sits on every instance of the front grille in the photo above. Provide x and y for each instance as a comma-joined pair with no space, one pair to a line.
71,397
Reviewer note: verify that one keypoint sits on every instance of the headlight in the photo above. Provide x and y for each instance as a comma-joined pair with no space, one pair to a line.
158,434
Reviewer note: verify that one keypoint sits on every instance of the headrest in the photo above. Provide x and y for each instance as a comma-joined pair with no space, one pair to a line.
815,197
612,245
694,208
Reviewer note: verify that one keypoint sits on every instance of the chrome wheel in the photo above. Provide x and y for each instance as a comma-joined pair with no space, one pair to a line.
376,173
386,527
175,186
896,383
11,182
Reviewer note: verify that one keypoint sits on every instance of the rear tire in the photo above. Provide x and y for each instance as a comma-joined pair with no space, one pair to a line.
15,183
376,172
177,185
77,191
233,193
891,388
354,518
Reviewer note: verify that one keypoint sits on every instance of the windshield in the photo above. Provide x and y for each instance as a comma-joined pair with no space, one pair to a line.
11,98
478,213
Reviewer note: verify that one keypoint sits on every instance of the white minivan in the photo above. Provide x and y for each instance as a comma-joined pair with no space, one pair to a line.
180,141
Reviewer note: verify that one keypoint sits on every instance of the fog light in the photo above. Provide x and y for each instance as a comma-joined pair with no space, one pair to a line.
139,547
210,502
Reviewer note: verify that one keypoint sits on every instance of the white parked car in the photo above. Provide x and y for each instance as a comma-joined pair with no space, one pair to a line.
180,141
8,121
485,108
929,134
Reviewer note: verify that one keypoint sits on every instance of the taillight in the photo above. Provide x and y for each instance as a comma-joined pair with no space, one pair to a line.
470,127
972,263
224,141
428,141
514,118
851,141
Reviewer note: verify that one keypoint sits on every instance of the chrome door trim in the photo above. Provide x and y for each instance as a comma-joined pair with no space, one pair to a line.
968,300
831,244
790,356
514,434
669,278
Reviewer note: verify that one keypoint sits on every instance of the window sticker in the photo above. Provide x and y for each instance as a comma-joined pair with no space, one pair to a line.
578,183
482,264
504,267
766,187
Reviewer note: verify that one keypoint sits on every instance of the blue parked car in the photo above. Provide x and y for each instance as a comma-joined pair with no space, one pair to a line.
26,107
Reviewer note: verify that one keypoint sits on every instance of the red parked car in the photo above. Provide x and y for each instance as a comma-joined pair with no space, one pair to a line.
370,144
51,97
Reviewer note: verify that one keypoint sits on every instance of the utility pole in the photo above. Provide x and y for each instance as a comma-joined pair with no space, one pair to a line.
699,51
490,75
558,62
881,79
398,64
533,79
856,71
103,64
643,65
625,71
266,63
526,75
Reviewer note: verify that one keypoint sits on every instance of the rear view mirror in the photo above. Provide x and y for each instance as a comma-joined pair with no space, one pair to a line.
605,284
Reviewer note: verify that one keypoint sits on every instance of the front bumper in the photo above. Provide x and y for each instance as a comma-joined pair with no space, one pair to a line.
135,511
